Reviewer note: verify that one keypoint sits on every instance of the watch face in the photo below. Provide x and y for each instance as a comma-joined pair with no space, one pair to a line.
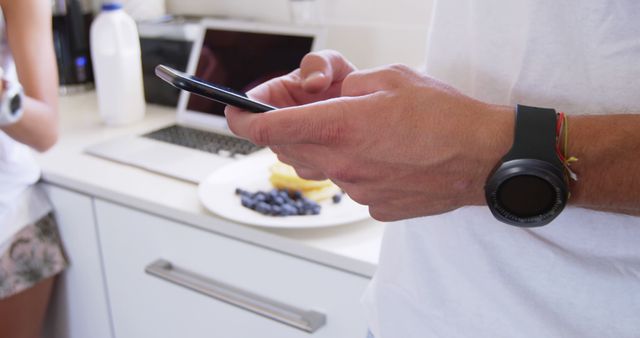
526,192
526,196
15,104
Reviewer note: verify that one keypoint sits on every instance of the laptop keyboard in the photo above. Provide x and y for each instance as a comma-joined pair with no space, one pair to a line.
202,140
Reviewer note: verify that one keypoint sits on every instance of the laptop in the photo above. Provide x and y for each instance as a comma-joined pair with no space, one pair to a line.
236,54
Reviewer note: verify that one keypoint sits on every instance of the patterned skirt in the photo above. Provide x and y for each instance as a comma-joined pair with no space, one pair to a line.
35,254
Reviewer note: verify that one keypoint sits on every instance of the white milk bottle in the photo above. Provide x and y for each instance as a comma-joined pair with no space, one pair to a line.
117,67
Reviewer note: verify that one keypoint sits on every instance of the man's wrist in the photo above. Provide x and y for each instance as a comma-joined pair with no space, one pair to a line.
574,148
496,134
529,186
504,121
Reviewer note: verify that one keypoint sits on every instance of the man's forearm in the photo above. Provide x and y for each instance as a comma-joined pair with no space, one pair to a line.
608,166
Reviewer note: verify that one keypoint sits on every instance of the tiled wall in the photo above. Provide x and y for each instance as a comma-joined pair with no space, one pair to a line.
369,32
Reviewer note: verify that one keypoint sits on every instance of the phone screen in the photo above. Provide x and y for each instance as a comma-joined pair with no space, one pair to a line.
242,60
211,91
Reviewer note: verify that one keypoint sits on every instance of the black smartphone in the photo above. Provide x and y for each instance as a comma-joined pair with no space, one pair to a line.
210,90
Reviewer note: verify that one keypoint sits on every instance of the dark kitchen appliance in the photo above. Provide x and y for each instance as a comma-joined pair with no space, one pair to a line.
71,24
167,41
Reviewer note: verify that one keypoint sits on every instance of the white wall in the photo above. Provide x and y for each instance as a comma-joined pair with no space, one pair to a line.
369,32
377,32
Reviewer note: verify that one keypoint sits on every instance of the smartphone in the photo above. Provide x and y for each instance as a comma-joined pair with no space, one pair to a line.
210,90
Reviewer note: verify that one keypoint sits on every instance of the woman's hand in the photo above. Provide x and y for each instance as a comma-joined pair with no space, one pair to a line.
30,38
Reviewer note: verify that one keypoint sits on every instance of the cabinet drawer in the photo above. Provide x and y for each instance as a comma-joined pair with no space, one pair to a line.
149,305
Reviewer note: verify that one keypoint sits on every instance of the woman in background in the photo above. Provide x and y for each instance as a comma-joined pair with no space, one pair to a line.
30,251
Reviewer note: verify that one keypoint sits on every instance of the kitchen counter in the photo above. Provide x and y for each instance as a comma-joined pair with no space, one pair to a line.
353,248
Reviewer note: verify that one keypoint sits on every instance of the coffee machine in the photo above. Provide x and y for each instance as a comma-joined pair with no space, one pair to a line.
71,24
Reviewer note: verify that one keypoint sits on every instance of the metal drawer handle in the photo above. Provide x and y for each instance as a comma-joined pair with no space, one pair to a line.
308,321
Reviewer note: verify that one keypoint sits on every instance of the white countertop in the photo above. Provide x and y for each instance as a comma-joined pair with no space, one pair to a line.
354,248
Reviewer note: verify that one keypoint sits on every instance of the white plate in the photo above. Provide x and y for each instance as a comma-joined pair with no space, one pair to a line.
217,193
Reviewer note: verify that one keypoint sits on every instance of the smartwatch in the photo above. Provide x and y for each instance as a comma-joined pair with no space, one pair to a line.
11,103
528,187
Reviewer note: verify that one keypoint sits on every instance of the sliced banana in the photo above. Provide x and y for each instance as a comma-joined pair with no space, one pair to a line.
283,176
322,194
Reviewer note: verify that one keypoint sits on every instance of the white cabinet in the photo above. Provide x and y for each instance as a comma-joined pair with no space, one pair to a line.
144,305
78,307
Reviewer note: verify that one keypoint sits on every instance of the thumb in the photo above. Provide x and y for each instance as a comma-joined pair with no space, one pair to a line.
319,70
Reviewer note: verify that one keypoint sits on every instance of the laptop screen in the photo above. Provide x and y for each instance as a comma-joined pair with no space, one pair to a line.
242,60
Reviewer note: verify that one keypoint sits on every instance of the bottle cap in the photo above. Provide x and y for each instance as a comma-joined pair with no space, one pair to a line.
111,6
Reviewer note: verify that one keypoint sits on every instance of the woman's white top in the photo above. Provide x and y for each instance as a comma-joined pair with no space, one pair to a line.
21,202
464,274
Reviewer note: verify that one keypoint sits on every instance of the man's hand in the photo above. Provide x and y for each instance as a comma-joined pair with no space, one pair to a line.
319,77
404,144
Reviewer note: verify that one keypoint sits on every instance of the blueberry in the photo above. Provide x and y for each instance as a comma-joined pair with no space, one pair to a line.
248,202
273,193
260,196
336,198
289,209
278,200
277,210
299,207
284,193
309,207
307,202
287,200
263,208
268,197
242,192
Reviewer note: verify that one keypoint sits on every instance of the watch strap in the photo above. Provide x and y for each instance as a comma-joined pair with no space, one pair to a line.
534,135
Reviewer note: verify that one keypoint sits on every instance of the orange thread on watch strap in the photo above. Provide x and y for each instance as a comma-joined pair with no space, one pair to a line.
562,141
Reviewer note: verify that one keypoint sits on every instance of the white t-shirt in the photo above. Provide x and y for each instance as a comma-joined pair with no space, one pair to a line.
463,274
21,202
